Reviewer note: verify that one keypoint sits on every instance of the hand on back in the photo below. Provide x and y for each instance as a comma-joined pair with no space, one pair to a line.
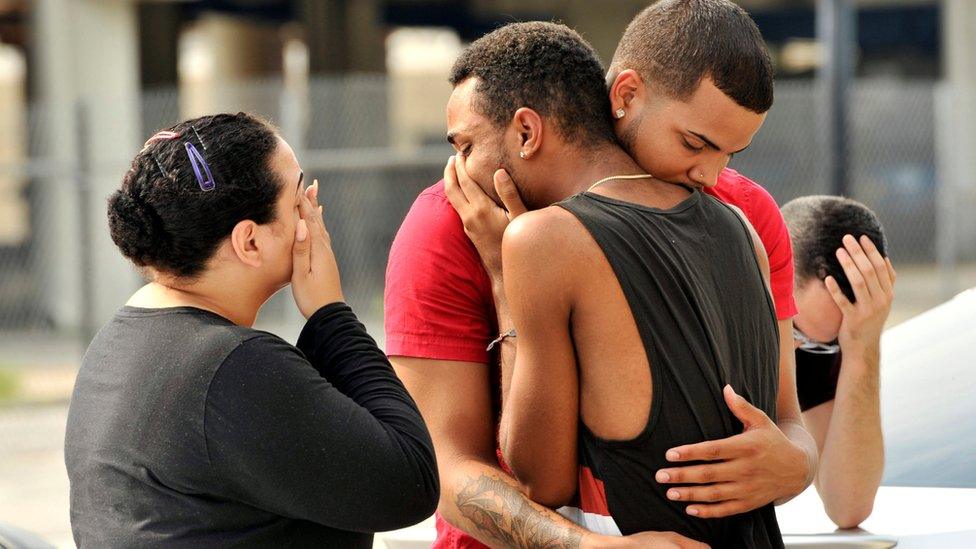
484,221
315,274
739,473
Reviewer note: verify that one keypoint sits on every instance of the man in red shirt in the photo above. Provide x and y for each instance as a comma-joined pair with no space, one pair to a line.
441,300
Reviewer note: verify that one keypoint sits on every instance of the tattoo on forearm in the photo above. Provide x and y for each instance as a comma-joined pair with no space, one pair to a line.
501,511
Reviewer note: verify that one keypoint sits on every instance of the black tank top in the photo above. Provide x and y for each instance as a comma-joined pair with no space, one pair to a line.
706,319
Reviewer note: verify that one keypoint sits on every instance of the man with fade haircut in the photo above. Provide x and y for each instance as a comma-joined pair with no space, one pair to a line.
844,288
690,84
638,303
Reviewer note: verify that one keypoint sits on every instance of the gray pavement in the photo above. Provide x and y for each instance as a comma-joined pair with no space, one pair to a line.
33,481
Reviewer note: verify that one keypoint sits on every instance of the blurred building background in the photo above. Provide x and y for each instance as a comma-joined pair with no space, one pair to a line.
359,87
875,99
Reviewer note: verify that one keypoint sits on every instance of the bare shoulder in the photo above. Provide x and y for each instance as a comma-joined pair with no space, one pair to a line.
549,246
541,229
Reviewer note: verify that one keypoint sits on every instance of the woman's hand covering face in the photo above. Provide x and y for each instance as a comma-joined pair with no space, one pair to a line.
315,274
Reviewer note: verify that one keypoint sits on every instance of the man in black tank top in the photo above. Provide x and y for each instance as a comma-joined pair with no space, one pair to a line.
637,302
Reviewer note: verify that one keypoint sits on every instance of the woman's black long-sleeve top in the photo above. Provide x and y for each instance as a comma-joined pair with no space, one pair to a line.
187,430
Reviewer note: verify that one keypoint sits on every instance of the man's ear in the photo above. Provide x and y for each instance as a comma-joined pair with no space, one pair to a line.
244,241
624,90
528,128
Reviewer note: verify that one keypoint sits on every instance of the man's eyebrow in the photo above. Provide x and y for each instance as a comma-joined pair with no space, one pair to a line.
713,145
706,140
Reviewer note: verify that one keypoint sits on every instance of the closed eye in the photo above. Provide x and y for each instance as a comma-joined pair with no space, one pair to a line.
691,147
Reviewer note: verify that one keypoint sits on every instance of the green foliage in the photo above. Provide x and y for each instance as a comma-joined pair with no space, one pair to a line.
9,384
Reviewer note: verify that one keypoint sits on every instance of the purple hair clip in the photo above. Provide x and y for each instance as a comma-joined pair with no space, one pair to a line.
200,167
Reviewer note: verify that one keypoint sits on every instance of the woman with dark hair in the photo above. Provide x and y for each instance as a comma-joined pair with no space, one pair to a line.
187,426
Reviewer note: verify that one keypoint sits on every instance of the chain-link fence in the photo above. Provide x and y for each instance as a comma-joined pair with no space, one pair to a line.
343,136
892,157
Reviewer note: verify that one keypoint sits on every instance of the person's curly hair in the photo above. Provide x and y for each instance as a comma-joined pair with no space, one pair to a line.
162,218
547,67
817,226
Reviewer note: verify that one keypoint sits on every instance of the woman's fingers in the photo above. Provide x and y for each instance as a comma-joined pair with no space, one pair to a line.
472,191
302,248
453,189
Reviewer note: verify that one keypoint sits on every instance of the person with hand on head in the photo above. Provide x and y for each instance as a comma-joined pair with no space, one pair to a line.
187,427
844,288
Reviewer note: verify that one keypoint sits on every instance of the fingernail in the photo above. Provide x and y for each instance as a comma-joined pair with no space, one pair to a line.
662,476
674,494
301,232
693,511
672,455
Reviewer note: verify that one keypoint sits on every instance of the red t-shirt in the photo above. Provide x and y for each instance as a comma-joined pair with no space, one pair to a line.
761,210
438,301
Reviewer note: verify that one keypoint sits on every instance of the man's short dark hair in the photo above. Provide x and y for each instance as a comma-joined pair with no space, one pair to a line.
674,44
547,67
817,226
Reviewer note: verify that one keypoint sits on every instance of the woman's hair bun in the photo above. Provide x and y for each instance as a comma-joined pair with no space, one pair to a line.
134,228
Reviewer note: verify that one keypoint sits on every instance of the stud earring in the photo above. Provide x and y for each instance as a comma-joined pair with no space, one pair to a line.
620,113
522,155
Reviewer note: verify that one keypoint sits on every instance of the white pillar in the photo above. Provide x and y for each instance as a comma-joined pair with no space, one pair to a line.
87,63
956,139
221,59
106,48
58,241
13,143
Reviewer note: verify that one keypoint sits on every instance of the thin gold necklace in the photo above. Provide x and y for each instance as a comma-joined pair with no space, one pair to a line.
612,177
